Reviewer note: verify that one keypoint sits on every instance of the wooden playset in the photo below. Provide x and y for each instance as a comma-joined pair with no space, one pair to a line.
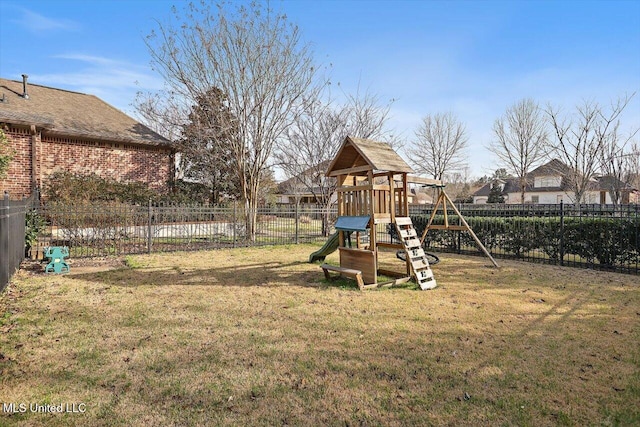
373,191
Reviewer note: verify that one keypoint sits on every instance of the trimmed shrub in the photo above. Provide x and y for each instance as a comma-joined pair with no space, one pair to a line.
607,241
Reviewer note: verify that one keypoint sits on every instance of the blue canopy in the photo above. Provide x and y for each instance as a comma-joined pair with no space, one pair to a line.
352,223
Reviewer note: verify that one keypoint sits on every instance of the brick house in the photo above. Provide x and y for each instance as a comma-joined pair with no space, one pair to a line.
55,130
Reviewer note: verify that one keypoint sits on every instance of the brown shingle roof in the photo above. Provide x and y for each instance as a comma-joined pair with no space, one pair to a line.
64,113
554,168
380,156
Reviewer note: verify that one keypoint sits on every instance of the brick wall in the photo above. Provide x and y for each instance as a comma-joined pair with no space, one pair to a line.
122,162
18,179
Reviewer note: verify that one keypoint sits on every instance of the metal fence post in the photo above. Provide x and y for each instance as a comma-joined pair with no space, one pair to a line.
5,248
235,222
561,232
149,228
459,233
637,227
297,222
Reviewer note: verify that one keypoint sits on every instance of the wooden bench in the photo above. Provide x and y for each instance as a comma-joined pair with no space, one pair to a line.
355,274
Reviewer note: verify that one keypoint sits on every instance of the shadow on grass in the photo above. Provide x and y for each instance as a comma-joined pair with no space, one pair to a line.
267,274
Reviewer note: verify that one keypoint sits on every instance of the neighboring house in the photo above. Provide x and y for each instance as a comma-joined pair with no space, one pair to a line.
634,181
305,186
547,185
418,197
55,130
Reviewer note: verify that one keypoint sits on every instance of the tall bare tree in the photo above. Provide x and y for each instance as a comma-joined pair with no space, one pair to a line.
632,168
520,140
163,113
317,134
440,145
578,140
256,58
616,159
458,185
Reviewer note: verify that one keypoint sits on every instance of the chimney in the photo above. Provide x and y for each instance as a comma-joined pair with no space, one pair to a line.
25,95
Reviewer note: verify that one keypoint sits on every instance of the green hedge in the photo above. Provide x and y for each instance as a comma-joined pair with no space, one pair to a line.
609,242
66,187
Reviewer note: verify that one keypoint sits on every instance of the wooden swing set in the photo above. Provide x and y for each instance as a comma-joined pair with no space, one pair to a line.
373,190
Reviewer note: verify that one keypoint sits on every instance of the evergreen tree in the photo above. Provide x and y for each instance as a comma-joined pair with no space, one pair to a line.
207,155
495,195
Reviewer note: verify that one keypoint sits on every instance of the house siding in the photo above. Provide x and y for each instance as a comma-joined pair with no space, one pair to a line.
119,161
554,197
544,197
547,197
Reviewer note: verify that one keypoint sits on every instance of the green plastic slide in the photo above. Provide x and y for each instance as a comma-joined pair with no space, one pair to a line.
329,247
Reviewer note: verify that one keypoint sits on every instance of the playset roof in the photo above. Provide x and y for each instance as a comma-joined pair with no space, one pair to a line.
358,156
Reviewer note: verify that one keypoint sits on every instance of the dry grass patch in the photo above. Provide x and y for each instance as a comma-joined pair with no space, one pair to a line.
257,337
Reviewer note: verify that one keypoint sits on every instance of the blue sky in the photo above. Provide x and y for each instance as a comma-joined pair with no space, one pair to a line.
473,58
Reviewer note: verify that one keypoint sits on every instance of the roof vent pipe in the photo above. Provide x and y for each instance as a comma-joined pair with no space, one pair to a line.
25,95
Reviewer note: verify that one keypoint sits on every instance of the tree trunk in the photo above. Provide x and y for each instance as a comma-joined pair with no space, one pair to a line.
252,202
326,212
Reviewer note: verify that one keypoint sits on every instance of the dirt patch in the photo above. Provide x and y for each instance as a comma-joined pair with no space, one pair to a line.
77,265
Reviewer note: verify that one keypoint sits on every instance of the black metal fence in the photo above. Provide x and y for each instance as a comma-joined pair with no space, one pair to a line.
592,236
12,235
101,229
602,237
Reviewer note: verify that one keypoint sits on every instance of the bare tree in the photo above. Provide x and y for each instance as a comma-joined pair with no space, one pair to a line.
440,145
579,140
458,185
305,155
632,166
616,159
316,136
256,59
520,140
366,116
162,113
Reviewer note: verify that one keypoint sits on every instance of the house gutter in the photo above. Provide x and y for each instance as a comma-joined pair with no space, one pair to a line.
88,136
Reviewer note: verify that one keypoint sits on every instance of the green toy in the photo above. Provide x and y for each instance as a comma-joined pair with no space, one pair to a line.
56,255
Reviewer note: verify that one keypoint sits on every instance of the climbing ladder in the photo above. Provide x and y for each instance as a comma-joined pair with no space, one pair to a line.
416,257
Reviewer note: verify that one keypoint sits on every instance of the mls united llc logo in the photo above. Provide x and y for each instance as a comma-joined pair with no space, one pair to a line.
21,408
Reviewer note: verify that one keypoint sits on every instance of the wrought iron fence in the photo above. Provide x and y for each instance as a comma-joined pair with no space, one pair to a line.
12,236
603,237
593,236
101,229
